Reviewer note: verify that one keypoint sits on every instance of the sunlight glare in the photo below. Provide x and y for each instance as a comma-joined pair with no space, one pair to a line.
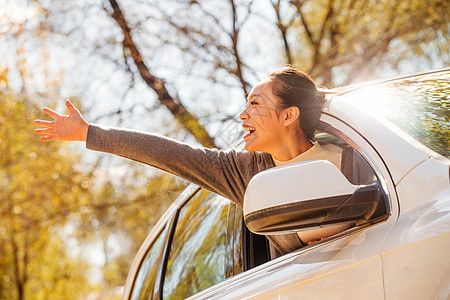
372,100
17,11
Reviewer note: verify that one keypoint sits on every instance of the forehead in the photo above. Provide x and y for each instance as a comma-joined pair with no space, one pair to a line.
262,89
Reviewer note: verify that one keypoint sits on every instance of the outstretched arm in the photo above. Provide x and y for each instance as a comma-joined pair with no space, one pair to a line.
70,127
225,172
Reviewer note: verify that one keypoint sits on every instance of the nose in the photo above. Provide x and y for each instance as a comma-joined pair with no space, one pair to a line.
243,115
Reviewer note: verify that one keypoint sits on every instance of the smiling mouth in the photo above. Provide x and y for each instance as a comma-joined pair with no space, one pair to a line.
250,130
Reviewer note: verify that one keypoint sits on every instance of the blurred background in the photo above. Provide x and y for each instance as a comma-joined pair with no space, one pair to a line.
71,220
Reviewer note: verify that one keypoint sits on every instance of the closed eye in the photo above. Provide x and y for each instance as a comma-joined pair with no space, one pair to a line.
252,103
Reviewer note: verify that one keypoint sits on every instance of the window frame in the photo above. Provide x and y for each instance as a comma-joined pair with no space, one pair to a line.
167,226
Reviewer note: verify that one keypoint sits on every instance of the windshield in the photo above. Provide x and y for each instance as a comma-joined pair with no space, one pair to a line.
418,105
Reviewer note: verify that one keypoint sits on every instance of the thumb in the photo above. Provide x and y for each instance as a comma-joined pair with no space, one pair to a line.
70,106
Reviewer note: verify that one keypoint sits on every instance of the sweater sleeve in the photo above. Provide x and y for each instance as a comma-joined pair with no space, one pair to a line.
226,172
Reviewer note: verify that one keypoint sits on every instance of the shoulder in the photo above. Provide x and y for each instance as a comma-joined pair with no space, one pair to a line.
249,162
249,157
332,153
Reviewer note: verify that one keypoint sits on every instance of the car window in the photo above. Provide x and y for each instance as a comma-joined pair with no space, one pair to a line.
238,230
234,261
420,106
197,254
146,277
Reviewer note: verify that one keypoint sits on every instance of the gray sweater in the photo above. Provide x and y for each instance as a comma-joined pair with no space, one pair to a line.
225,172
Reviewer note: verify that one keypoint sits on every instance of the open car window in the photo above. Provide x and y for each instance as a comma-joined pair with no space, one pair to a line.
358,172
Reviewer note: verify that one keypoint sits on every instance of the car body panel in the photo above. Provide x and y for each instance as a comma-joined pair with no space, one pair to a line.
329,270
418,248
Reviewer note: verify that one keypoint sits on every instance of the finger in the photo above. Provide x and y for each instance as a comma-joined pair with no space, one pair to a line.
45,123
44,131
70,106
51,113
47,138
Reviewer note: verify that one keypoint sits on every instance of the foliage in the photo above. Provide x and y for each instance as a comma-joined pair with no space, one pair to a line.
121,59
43,191
121,217
344,41
40,187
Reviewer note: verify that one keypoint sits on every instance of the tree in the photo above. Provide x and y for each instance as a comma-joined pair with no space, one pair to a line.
146,64
340,40
43,191
40,187
172,103
125,214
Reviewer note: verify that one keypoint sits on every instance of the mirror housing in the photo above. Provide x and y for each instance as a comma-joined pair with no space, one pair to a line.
307,195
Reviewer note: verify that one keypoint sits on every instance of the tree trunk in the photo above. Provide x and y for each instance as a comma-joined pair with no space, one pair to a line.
177,109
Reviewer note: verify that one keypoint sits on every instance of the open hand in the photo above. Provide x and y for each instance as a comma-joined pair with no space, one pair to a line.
70,127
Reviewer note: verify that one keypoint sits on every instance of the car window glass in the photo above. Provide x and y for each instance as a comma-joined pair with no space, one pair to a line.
229,257
234,259
420,106
145,280
197,255
238,228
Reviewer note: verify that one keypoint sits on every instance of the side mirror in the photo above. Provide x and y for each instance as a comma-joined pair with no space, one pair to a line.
308,195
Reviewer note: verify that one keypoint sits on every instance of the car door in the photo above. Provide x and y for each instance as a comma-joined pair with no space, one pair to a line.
345,266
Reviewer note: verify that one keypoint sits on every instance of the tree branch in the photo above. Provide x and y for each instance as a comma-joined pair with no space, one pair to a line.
298,6
177,109
234,35
316,55
283,31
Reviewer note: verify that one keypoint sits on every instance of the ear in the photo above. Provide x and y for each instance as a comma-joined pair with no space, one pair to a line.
290,115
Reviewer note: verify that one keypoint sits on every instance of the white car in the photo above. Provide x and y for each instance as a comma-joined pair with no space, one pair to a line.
394,188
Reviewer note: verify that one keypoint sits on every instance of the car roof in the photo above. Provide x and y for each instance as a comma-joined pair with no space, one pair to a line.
353,87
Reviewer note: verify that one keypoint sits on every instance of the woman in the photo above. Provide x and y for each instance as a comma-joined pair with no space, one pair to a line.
280,118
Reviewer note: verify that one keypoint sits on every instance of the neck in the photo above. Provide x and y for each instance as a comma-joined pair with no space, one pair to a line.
291,148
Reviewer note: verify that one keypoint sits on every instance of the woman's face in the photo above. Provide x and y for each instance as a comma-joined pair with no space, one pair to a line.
262,119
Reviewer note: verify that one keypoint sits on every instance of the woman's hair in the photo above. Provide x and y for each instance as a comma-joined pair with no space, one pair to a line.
296,88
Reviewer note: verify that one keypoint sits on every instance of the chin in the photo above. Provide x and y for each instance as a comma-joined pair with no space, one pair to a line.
251,146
